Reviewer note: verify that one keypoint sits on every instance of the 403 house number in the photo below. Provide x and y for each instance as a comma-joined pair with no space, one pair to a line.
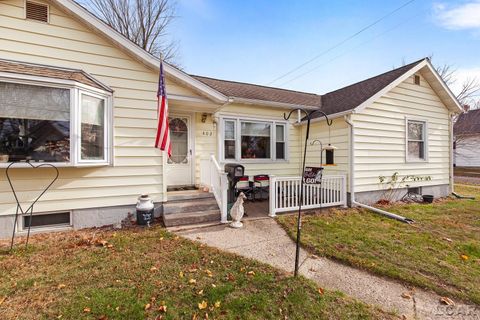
207,133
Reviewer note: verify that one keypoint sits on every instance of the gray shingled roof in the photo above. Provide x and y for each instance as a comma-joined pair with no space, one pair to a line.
340,100
352,96
468,123
258,92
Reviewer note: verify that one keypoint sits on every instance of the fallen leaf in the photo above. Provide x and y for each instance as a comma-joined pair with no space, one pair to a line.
117,309
192,281
214,285
250,273
200,292
464,257
447,301
321,291
406,295
2,300
109,246
61,286
192,270
230,277
162,308
447,239
176,238
217,304
86,310
153,269
148,306
180,274
202,305
103,317
161,238
209,273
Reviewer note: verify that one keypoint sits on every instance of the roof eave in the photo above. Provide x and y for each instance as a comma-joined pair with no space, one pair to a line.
142,55
268,103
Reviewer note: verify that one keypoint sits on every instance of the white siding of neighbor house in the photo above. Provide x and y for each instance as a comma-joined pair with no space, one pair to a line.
65,42
380,136
467,152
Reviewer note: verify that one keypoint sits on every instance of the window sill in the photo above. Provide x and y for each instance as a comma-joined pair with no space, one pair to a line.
416,161
24,165
253,161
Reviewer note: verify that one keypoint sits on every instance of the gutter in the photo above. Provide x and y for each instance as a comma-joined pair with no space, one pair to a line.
352,180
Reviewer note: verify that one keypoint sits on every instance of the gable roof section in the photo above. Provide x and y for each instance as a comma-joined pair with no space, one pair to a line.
145,57
257,92
468,123
352,96
31,69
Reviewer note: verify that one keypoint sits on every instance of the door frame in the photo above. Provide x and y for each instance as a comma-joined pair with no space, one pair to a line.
191,141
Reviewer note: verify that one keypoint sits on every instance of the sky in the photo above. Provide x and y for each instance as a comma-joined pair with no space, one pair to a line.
257,41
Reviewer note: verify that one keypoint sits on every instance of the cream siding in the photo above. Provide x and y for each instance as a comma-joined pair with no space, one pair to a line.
338,135
380,136
65,42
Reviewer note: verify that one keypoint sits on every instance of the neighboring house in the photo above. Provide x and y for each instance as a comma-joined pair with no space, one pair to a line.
466,132
95,91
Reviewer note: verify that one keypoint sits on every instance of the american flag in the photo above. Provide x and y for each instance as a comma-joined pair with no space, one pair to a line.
162,141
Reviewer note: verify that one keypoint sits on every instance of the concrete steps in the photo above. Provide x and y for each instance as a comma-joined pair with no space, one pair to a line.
190,207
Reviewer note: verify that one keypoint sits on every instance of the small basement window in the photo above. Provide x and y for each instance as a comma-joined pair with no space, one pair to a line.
36,11
37,221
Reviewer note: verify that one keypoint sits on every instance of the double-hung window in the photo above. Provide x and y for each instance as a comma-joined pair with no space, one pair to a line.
251,140
45,123
416,140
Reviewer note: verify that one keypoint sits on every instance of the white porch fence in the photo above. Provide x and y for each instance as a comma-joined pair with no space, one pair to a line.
285,191
218,183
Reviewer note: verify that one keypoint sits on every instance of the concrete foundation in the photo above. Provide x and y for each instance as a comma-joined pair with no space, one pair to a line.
83,218
371,197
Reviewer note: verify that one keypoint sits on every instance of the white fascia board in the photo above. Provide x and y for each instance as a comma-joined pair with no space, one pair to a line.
330,117
271,103
145,57
392,85
449,92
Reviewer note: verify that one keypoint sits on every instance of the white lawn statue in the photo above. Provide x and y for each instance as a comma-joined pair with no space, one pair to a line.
237,211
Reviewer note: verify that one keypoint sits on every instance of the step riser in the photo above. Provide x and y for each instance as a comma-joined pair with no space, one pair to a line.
171,209
175,198
174,220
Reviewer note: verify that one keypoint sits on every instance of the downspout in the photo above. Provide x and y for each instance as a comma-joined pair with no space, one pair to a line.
352,180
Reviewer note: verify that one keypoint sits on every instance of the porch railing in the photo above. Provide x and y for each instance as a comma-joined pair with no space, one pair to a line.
284,193
219,186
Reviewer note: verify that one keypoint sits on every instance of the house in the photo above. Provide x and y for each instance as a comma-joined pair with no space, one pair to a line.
466,132
95,91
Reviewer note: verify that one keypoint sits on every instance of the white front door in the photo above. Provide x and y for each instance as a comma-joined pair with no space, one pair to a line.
180,164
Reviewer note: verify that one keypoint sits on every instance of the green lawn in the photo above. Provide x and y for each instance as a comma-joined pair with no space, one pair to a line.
151,274
441,251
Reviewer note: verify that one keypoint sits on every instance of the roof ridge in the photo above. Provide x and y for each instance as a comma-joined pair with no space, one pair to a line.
257,85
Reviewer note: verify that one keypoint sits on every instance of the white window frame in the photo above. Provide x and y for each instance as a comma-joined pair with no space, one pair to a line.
238,133
425,140
76,91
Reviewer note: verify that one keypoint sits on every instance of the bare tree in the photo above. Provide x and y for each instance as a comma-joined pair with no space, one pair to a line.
144,22
469,90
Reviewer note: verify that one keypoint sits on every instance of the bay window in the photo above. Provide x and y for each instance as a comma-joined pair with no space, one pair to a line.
416,148
251,140
64,124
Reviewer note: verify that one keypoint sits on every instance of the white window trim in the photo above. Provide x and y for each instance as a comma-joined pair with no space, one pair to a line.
273,123
76,89
425,140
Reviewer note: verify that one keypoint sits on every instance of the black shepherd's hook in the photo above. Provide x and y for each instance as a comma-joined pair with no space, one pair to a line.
308,116
30,208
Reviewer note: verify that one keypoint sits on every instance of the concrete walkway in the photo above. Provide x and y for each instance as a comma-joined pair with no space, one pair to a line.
266,241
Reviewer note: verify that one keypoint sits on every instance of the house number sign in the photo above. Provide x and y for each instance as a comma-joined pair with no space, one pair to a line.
207,133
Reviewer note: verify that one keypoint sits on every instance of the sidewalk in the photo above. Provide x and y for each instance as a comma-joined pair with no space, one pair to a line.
266,241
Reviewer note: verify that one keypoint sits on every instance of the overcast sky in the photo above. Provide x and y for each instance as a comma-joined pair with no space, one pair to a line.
257,41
